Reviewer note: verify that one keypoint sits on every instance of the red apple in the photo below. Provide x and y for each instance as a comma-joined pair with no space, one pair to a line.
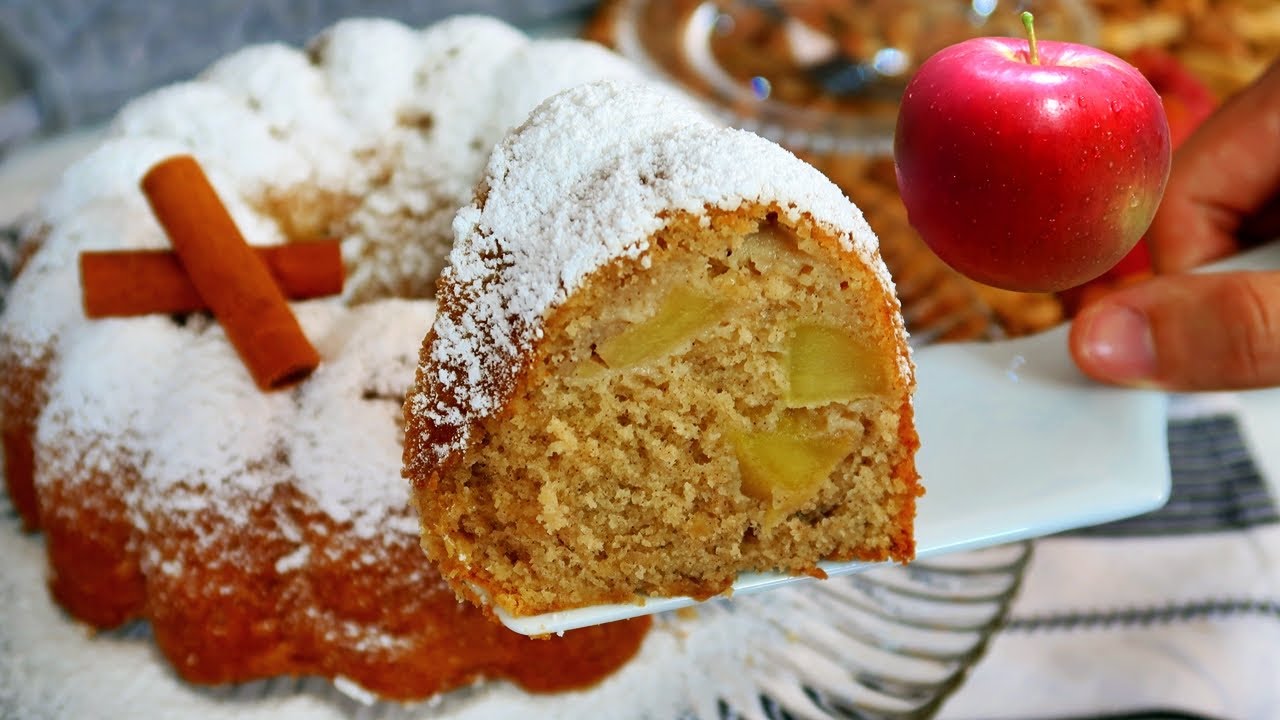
1030,166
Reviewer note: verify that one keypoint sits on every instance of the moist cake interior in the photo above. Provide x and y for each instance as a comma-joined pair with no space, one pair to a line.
725,401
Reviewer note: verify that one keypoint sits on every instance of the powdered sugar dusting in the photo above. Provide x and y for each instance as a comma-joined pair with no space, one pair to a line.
292,96
354,473
45,299
583,183
207,118
111,170
477,77
541,69
370,64
186,414
455,96
439,126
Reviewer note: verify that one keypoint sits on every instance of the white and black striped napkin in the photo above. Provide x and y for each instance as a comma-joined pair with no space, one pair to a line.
1172,614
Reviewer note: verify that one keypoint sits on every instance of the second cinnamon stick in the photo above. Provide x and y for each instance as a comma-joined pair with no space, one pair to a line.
128,283
228,275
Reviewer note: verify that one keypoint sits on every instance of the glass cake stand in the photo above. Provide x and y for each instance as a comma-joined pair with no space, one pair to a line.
892,643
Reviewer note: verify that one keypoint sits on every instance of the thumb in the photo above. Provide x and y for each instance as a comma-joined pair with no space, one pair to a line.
1184,332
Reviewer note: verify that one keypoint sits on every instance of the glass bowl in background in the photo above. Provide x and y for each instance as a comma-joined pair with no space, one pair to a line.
819,75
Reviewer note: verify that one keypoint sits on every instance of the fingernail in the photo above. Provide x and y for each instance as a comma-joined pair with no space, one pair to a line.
1117,344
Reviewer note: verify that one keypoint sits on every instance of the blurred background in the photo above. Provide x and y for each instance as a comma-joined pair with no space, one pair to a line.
69,63
819,76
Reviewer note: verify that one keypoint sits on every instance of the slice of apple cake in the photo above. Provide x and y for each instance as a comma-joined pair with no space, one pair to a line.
666,353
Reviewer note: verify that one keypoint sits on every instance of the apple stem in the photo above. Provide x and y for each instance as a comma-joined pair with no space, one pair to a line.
1028,22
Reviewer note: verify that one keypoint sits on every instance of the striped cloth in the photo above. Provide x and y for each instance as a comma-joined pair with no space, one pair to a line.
1216,485
1172,614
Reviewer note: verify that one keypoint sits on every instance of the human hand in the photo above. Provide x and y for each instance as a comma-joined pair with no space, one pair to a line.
1202,332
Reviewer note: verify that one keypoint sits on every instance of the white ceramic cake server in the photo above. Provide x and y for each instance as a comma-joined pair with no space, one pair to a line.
1015,444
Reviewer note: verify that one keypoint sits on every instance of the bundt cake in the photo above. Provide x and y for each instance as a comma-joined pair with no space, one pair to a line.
666,353
269,533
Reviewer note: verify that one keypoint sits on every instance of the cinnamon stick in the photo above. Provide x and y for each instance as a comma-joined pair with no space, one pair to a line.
127,283
230,278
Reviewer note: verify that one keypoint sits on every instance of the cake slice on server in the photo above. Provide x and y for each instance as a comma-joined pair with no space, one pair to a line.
666,353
